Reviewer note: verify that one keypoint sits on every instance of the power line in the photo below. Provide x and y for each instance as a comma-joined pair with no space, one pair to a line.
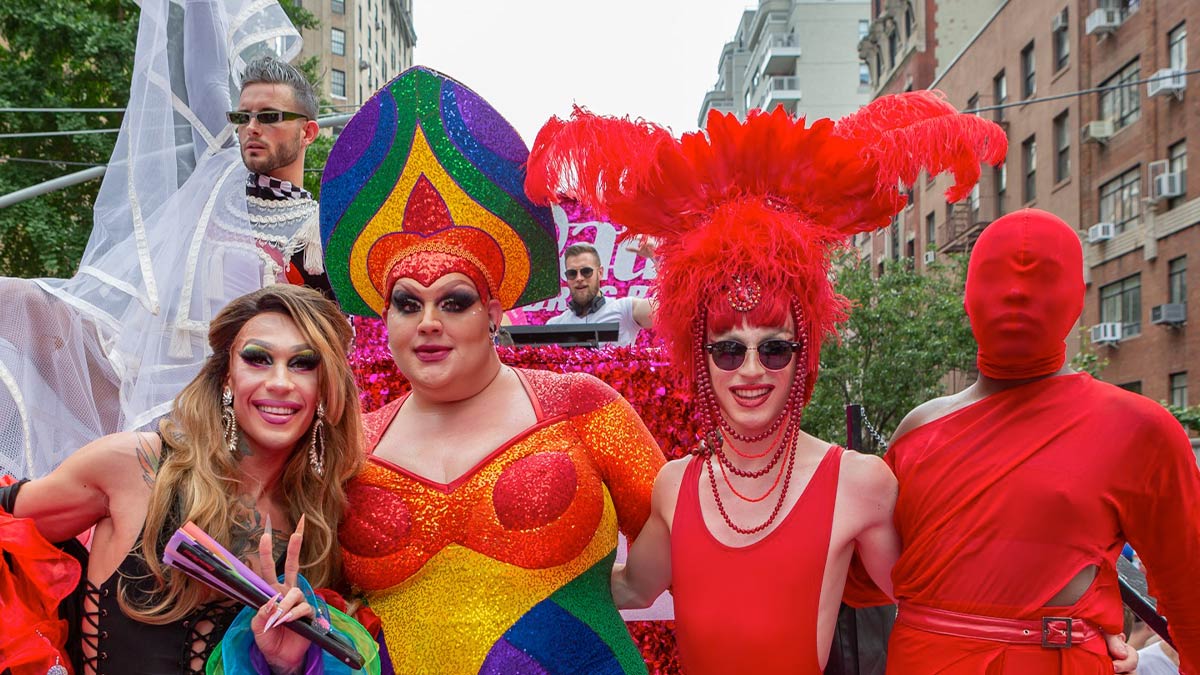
61,110
46,134
1081,92
31,160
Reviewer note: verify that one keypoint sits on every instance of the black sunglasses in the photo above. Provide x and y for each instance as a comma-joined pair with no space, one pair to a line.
585,271
772,354
241,117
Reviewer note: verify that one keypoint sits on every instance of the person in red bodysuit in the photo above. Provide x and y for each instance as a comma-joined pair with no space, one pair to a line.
755,531
1017,494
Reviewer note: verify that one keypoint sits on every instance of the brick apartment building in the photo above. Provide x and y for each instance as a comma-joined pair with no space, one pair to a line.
1112,162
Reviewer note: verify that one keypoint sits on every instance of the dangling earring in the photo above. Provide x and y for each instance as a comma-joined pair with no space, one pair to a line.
316,451
230,421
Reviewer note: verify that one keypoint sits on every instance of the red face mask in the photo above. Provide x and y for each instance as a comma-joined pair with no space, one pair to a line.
1024,293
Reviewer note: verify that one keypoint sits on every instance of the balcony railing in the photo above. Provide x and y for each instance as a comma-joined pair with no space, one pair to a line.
775,54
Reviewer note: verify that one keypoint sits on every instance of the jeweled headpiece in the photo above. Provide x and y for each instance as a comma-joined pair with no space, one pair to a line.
426,179
753,207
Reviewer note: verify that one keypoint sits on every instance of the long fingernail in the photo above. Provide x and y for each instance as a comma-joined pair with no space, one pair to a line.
267,527
300,525
273,620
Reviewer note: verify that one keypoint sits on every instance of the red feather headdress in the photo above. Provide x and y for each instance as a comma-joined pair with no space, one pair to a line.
766,200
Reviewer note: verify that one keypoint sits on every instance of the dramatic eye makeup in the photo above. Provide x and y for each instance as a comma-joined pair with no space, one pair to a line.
305,359
256,355
458,301
454,302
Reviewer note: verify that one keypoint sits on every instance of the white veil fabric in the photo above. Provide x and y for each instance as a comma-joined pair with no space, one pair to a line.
171,243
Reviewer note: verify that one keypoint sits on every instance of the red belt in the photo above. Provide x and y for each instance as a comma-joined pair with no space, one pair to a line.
1051,632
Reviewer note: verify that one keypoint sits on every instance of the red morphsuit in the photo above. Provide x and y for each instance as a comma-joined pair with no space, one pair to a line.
1005,500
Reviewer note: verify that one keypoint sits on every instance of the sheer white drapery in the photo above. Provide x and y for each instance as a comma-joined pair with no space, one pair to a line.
172,241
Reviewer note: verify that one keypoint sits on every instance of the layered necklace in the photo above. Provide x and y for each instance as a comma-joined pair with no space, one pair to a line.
719,435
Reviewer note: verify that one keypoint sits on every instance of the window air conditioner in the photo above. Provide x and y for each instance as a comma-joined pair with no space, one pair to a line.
1170,314
1098,131
1166,185
1102,21
1101,232
1059,22
1106,333
1168,81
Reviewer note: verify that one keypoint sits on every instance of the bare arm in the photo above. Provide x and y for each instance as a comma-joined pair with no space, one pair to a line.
76,495
643,312
647,571
874,488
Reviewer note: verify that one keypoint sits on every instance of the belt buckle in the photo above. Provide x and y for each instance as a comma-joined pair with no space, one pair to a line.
1046,621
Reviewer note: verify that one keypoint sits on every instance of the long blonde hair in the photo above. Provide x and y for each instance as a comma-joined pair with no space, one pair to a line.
199,478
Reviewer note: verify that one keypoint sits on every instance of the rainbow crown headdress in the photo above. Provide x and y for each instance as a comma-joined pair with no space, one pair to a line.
757,206
426,179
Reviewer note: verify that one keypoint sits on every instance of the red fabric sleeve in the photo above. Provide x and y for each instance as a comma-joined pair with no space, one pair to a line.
1160,516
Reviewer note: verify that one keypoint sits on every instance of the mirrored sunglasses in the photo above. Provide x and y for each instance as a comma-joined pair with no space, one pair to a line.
241,117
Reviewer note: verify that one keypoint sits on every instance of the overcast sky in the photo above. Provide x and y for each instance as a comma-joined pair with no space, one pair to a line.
534,58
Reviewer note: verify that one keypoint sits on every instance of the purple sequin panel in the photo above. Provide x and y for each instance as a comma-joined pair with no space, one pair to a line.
505,659
488,127
354,139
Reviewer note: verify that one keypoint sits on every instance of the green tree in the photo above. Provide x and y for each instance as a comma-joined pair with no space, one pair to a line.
906,332
58,54
67,54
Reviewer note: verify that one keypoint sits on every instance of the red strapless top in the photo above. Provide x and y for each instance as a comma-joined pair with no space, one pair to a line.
752,608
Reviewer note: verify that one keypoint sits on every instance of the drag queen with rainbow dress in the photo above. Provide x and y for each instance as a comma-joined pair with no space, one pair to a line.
483,528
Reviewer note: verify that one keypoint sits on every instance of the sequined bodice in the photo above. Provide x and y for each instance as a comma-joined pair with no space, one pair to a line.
483,556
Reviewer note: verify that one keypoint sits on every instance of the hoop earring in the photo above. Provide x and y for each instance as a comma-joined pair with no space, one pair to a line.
229,420
316,450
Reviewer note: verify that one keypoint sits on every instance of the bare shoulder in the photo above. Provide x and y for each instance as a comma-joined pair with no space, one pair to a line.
666,487
118,458
931,410
866,475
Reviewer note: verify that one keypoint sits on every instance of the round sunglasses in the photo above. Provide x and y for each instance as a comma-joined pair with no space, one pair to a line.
585,271
772,354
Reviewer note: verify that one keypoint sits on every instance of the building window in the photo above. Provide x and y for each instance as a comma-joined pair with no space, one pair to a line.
930,232
878,67
337,6
864,74
999,94
1121,302
1135,386
1120,100
337,41
1028,72
1177,47
1000,174
864,27
1120,199
1029,165
337,83
894,236
1177,280
1062,42
1177,163
1062,148
973,104
1178,384
893,48
908,21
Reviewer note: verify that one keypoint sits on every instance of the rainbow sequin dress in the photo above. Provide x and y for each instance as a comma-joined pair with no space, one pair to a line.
507,569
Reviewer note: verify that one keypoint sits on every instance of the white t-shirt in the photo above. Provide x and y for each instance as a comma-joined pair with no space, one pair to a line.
613,309
1152,661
